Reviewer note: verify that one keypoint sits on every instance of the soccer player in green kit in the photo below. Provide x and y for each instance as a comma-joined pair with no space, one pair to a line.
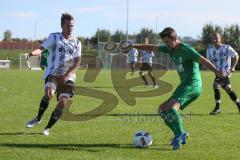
186,59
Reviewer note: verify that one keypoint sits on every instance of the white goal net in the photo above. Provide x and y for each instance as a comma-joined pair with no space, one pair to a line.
32,63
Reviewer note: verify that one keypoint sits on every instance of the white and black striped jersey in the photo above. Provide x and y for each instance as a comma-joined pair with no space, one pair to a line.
132,55
221,57
61,51
147,57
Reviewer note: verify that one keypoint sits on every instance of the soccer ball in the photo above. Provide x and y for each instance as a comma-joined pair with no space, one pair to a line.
142,139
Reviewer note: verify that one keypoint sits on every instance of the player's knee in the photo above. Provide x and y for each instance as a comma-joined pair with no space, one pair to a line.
160,109
163,107
49,93
48,96
62,101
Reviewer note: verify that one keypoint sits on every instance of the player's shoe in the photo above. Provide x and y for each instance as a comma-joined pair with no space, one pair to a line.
185,136
215,111
155,86
46,131
177,143
32,123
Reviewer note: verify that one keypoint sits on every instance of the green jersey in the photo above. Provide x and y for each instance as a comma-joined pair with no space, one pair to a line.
185,59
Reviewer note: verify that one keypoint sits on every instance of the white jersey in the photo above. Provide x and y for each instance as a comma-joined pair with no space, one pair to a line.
147,57
132,55
61,51
221,57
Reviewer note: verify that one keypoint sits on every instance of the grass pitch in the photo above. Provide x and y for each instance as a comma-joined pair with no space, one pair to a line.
110,137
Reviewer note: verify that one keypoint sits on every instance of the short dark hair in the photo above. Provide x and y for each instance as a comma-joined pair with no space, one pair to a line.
66,16
216,34
168,32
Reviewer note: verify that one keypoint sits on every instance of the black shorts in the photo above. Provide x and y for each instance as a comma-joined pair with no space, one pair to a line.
146,67
61,87
222,81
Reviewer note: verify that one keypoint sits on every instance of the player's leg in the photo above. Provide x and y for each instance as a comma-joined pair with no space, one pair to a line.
45,102
169,112
141,73
228,88
181,98
49,93
67,93
56,114
217,96
151,75
132,66
167,116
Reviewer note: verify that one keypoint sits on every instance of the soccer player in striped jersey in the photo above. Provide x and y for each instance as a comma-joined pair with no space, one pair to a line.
186,59
63,48
224,57
132,58
147,62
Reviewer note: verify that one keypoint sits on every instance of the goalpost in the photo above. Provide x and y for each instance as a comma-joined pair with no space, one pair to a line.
33,63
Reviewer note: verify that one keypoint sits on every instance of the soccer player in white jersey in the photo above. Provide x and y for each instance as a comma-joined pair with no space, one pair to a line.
225,58
146,60
59,75
132,58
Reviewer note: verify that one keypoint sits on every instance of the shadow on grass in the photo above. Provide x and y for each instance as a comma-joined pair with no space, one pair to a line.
18,133
86,147
235,113
207,114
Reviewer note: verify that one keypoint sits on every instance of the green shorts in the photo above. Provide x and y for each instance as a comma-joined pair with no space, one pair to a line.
186,94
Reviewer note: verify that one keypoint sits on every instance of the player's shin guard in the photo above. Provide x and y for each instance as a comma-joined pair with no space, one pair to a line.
217,97
176,120
167,121
42,107
56,114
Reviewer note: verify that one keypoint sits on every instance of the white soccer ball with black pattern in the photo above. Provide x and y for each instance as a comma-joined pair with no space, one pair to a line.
142,139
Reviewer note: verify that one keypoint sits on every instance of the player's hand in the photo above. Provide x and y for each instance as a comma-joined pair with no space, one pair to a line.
221,73
232,70
29,55
66,77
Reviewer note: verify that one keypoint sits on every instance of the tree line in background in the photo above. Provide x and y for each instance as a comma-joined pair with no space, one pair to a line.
230,35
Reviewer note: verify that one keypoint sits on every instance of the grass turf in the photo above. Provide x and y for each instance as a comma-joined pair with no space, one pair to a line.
110,137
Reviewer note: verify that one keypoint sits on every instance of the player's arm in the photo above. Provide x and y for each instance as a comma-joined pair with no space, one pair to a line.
77,62
146,47
209,65
46,44
234,61
74,68
36,52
